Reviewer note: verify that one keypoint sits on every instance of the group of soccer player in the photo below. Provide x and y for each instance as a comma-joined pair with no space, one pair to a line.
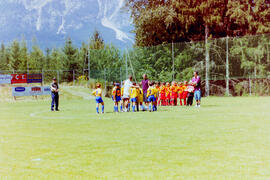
133,97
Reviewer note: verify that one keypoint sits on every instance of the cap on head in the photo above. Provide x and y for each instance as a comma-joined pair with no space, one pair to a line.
117,84
54,79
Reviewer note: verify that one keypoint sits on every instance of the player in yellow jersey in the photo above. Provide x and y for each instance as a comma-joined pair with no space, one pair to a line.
116,96
122,92
98,93
140,97
152,97
133,96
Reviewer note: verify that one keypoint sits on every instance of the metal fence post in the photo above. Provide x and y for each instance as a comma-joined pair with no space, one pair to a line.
173,61
73,77
121,75
227,67
249,85
42,75
58,76
105,81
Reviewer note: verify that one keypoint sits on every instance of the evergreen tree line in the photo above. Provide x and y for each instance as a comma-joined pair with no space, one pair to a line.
17,58
249,56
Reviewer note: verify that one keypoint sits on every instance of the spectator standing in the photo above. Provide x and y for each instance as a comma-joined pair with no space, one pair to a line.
196,80
55,95
145,86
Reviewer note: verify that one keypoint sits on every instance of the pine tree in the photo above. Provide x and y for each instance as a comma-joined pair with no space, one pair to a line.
15,55
70,60
4,64
36,60
96,41
23,56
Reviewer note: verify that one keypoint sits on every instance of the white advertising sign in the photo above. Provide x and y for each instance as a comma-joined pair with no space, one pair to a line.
31,91
5,78
46,90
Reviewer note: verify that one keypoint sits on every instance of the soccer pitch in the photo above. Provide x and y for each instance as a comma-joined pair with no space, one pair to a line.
227,138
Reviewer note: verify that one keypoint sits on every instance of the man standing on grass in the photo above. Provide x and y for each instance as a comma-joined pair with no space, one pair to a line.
196,80
145,86
126,96
55,95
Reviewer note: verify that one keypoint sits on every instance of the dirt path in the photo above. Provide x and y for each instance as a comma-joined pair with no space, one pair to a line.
76,92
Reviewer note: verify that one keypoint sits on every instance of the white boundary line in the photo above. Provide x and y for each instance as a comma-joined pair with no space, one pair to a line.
90,116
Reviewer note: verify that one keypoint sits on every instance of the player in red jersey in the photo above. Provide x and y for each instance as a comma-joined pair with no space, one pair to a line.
174,93
162,94
168,94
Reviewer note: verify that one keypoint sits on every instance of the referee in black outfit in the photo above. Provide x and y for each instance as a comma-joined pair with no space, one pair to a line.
55,95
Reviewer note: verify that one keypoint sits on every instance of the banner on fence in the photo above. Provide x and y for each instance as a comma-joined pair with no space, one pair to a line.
5,78
34,78
31,91
18,78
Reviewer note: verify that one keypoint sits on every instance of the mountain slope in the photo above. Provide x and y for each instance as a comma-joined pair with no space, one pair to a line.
51,21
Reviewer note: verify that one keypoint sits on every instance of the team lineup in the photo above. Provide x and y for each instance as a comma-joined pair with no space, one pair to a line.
148,95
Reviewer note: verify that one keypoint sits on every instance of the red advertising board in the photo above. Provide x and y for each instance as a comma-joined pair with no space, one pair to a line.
18,78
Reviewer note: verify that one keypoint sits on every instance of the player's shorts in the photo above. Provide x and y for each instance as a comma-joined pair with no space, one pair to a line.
183,95
162,96
197,95
174,95
152,98
140,99
133,99
118,98
99,100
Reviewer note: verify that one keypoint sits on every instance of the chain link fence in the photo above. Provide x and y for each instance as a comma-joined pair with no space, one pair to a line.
228,66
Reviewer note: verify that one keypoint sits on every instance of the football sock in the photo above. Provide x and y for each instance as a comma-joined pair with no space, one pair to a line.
103,109
150,108
121,108
133,108
97,109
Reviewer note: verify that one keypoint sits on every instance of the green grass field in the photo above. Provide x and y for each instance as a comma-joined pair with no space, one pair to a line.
227,138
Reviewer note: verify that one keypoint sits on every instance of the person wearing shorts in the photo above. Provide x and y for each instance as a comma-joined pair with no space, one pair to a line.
126,95
196,80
